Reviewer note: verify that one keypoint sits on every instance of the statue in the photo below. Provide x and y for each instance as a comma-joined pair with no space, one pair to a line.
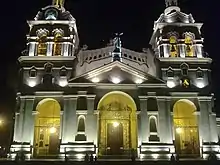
59,3
171,3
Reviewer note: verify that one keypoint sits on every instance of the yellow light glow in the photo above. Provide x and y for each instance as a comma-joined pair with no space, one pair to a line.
115,124
179,130
53,130
32,82
1,122
171,83
95,80
63,82
138,81
116,80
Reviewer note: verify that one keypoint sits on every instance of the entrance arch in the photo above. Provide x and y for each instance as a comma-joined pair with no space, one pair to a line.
117,124
47,128
186,128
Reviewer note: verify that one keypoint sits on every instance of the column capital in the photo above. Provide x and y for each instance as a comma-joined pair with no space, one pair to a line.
91,97
142,98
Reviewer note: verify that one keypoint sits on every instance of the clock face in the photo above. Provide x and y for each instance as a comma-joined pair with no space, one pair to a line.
51,14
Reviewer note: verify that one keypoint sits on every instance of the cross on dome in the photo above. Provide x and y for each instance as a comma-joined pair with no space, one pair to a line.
171,3
58,3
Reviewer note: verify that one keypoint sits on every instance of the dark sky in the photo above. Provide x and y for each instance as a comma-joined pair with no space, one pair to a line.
97,21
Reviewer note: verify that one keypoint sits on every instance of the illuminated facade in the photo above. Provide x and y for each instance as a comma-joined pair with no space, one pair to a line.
114,101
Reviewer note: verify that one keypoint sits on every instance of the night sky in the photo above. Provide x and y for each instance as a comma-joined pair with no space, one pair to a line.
97,21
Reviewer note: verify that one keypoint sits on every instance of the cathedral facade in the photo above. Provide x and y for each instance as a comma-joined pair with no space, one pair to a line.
112,100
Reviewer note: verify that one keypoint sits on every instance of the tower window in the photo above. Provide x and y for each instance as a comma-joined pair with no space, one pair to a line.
189,45
173,46
170,73
33,73
63,72
48,67
184,69
199,73
42,48
57,49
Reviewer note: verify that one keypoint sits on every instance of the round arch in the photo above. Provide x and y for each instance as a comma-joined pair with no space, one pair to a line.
109,96
117,123
186,128
47,127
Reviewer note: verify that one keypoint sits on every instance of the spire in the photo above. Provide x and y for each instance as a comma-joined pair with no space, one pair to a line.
58,3
171,3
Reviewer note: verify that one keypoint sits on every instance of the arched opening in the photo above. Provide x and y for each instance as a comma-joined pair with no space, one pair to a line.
81,129
153,129
173,46
117,124
47,128
189,45
186,128
42,47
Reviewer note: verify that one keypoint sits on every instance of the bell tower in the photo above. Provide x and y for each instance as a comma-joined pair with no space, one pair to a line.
52,43
178,44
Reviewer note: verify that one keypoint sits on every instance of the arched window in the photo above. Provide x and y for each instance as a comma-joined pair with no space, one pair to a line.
81,124
42,47
189,45
153,125
57,48
184,69
170,73
173,46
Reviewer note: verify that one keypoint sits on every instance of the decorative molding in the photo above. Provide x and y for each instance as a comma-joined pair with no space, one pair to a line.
45,58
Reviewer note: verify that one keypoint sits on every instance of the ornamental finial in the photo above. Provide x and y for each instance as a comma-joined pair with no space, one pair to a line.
58,3
171,3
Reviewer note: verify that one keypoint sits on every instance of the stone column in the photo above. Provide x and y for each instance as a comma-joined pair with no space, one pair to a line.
165,132
166,50
69,128
182,52
204,126
19,122
213,126
65,49
16,128
50,48
32,48
91,121
144,120
28,121
61,124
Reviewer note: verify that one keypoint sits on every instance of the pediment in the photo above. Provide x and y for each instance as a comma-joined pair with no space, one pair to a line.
116,73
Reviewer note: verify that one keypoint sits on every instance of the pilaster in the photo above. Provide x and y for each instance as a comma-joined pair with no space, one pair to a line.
19,122
28,121
69,127
49,48
65,49
204,124
165,130
144,120
32,48
91,121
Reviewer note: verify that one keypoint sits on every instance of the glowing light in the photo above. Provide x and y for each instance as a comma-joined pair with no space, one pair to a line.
200,84
115,124
155,156
95,80
138,81
79,156
179,130
53,130
63,82
171,83
116,80
1,122
32,82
